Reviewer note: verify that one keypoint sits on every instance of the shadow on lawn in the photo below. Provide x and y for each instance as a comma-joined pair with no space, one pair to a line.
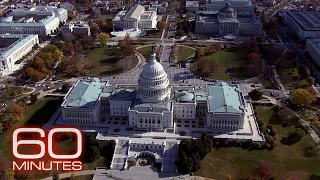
43,115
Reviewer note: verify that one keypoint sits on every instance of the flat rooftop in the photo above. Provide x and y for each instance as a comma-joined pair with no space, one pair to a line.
307,20
224,98
11,42
192,3
232,2
207,16
85,94
315,43
152,107
135,12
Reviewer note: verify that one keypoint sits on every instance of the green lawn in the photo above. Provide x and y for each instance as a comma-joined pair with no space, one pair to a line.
267,84
239,162
185,52
289,79
153,34
145,52
105,60
35,115
225,59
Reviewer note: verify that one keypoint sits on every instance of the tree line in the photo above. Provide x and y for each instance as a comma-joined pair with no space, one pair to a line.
43,63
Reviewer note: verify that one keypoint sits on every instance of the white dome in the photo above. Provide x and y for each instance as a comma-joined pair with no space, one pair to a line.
153,81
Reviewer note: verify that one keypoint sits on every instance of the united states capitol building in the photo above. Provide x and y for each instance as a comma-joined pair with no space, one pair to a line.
155,104
149,119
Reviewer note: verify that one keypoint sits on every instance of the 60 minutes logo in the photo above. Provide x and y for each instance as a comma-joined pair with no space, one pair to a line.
34,162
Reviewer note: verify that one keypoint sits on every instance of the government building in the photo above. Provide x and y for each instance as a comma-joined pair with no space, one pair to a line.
154,104
41,20
227,21
13,47
306,24
237,5
136,18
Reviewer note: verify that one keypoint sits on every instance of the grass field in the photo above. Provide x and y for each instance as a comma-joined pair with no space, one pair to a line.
267,84
105,60
239,162
36,115
289,78
185,52
145,52
226,59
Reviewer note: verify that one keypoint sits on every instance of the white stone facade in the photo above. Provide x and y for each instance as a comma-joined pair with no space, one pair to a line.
41,20
227,21
237,5
14,48
136,18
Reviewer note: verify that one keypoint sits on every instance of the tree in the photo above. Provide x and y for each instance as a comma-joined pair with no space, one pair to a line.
34,98
255,94
65,87
8,174
305,70
68,49
296,134
255,49
103,38
38,64
126,46
199,53
213,67
162,25
189,15
311,80
253,58
1,128
264,170
302,97
55,175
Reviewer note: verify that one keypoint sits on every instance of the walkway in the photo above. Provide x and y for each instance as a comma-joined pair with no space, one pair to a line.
78,173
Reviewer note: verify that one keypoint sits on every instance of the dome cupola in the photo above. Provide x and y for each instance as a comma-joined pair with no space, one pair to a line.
153,82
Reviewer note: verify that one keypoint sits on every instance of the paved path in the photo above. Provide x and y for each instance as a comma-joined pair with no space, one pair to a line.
78,173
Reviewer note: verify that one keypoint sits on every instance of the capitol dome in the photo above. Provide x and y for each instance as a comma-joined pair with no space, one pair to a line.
227,12
153,81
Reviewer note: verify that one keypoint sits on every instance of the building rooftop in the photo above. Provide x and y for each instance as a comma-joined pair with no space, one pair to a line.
192,3
135,12
232,2
152,107
207,16
123,95
224,98
307,20
85,94
184,96
315,43
19,40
